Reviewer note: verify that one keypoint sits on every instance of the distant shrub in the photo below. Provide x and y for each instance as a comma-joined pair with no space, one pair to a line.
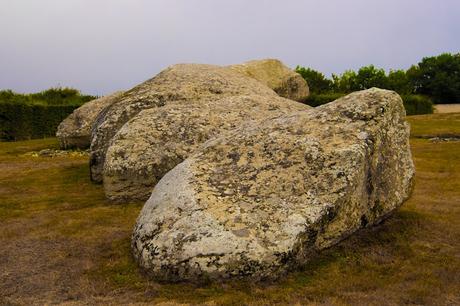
417,104
320,99
61,96
317,82
37,115
52,96
12,97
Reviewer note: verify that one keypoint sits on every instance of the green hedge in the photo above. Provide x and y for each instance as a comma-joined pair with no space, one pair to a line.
36,115
20,121
417,105
414,104
52,96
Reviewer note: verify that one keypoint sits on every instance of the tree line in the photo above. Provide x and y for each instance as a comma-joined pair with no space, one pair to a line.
437,78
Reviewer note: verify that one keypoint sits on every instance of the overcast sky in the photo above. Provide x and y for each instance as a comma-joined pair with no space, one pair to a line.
100,46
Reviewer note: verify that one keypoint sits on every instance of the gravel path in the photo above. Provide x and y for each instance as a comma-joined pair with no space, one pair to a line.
447,108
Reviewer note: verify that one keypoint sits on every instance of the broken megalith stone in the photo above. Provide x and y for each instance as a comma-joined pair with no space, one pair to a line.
75,130
285,82
157,139
259,200
186,84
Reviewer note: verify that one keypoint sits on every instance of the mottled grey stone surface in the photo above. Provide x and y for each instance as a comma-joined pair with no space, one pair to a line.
273,73
75,130
183,85
258,200
157,139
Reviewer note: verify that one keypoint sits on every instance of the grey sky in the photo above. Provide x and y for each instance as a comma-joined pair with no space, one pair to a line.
100,46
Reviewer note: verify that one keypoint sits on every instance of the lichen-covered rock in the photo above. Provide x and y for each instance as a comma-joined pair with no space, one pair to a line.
180,84
183,83
75,130
259,200
273,73
157,139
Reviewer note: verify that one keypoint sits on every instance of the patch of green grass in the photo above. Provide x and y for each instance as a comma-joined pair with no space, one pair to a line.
435,125
8,149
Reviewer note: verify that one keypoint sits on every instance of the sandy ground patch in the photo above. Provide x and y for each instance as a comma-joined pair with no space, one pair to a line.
447,108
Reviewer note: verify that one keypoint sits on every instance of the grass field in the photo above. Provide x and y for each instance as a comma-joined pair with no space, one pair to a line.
61,242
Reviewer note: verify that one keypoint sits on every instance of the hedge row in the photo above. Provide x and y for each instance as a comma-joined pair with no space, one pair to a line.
414,104
52,96
417,104
19,121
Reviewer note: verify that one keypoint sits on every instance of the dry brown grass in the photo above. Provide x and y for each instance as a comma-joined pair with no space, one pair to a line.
62,243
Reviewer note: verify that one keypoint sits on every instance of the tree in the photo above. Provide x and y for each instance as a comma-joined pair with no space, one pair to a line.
398,81
346,82
369,76
438,77
317,82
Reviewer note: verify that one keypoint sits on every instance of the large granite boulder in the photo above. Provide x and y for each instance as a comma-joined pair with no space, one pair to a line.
273,73
260,199
75,130
183,83
157,139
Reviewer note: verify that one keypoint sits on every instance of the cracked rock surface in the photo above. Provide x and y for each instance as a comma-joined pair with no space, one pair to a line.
157,139
196,89
273,73
258,200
